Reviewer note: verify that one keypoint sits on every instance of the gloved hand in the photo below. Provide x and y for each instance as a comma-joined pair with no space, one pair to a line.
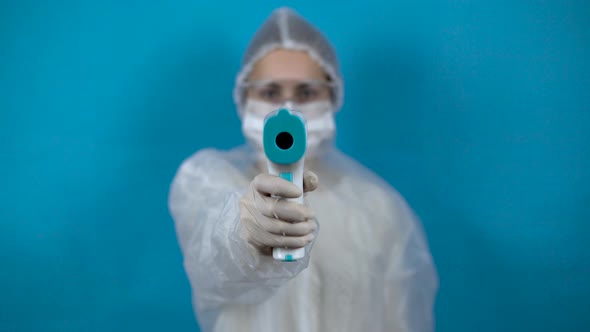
271,222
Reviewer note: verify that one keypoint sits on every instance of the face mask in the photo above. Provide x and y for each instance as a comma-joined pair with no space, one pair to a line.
319,120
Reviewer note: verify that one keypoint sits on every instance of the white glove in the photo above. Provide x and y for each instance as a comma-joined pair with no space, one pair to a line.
271,222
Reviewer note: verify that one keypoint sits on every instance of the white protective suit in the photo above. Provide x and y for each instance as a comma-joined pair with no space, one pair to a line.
369,268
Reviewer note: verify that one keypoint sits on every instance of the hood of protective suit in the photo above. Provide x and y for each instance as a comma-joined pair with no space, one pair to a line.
286,29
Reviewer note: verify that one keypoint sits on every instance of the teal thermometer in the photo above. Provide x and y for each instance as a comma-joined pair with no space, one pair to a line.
285,140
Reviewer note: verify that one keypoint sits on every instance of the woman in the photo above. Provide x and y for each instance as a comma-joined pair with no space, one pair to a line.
368,269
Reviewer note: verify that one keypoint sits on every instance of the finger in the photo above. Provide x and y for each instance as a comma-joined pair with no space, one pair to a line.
289,242
281,209
265,251
267,184
279,227
247,209
310,181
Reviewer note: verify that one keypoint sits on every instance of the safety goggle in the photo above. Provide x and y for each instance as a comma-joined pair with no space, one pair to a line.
281,91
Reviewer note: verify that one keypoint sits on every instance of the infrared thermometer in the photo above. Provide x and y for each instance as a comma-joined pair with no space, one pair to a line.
285,140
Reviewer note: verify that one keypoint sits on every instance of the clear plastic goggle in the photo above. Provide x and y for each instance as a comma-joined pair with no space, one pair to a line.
282,91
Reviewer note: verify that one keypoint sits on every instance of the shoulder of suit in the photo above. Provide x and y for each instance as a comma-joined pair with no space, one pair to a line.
372,189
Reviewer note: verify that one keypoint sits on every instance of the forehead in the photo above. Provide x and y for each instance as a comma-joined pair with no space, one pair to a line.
283,64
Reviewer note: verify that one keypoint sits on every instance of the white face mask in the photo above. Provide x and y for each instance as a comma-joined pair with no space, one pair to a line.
319,120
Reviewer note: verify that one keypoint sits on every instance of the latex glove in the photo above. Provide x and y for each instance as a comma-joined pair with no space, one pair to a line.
271,222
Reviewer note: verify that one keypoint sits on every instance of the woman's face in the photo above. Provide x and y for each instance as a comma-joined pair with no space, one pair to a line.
284,75
283,64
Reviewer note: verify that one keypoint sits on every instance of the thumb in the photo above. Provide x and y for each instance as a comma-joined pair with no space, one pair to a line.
310,181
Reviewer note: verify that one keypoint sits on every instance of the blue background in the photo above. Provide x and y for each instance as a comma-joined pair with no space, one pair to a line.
478,113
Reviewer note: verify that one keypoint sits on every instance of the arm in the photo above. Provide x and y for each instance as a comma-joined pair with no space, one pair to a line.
222,268
410,278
